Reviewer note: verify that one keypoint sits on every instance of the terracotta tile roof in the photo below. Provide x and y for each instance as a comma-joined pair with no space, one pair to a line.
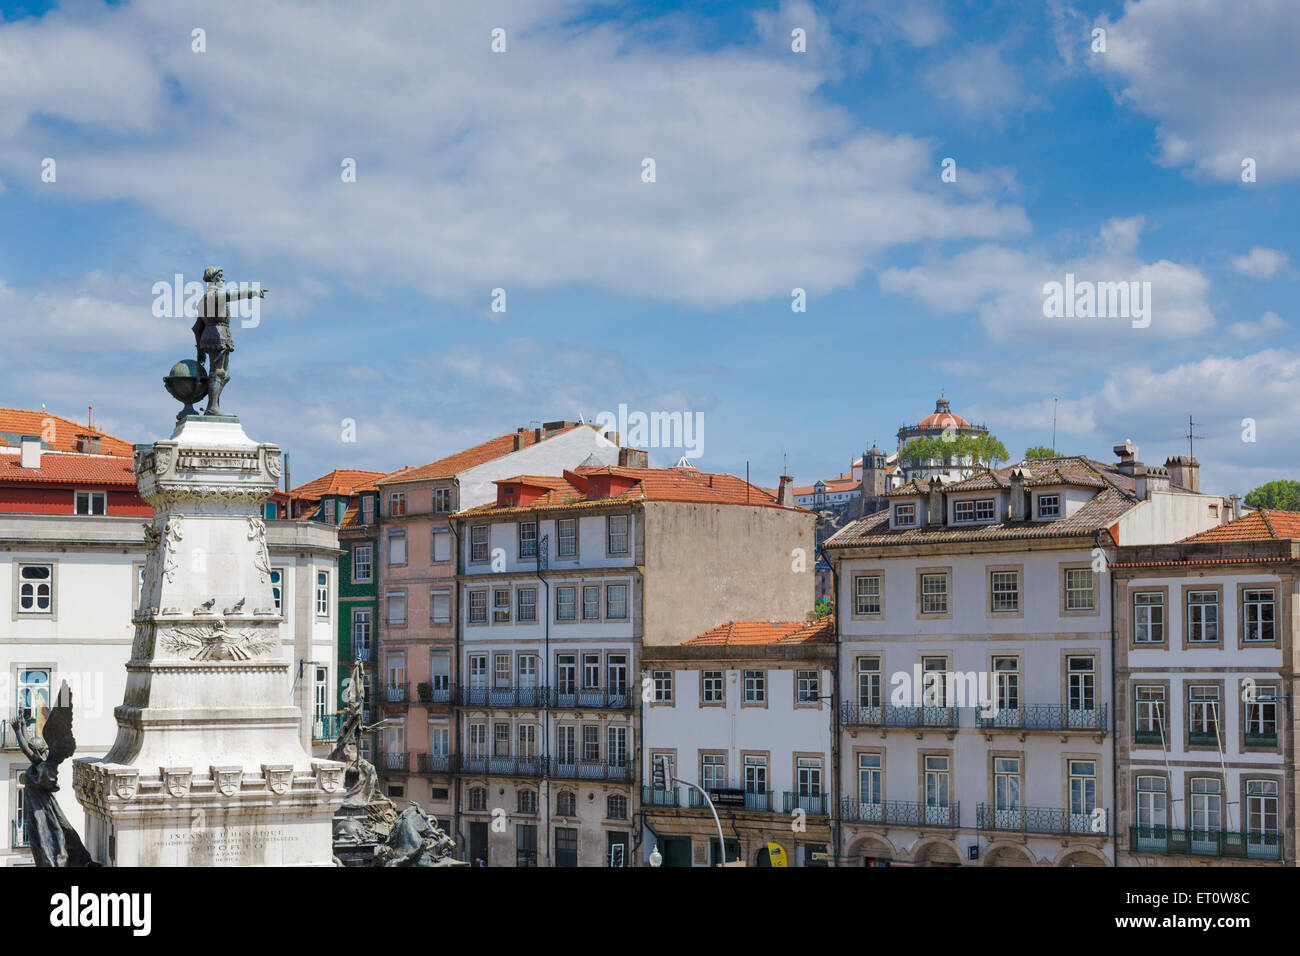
1256,526
490,450
833,486
908,488
647,484
16,422
63,468
767,632
340,481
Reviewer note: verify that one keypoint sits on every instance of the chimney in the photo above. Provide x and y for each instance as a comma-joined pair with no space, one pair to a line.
537,435
1127,455
612,436
519,438
1150,480
934,507
287,486
785,491
1236,506
1016,506
30,451
1184,471
633,458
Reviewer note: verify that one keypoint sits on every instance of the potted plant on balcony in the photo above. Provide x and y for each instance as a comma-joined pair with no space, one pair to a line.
426,692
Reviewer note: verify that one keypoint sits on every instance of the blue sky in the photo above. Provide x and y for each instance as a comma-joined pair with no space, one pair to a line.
775,170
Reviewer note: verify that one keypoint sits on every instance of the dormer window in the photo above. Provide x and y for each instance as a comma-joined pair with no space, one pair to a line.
1049,506
981,509
904,516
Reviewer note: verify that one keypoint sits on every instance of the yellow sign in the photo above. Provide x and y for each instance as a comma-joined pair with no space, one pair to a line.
776,854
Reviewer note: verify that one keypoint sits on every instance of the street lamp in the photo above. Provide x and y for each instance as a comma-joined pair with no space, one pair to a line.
656,858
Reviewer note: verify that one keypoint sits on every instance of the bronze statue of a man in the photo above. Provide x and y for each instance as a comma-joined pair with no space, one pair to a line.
212,332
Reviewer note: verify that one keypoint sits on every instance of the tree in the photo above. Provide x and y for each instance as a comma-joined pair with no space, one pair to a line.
822,608
981,449
1281,495
1037,452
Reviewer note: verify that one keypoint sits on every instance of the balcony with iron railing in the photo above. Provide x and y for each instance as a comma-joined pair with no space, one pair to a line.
754,802
18,835
395,762
652,797
813,804
890,716
502,766
1046,718
901,813
436,763
435,694
1050,821
1187,841
530,696
585,770
326,727
395,693
595,698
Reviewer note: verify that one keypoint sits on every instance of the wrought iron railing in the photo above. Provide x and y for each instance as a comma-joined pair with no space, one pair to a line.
1241,844
397,693
901,813
503,766
889,715
1260,740
592,699
1155,736
755,802
396,762
1055,821
516,695
436,763
580,770
1203,738
429,694
1050,717
326,727
814,804
650,797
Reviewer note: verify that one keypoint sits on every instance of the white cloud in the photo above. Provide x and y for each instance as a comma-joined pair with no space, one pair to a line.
981,83
1005,288
1268,323
474,170
1209,73
1261,263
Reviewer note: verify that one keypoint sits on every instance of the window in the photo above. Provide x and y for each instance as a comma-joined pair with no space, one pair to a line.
617,534
1257,614
808,776
478,670
616,746
934,681
441,500
501,740
1261,816
501,670
591,670
866,594
870,780
478,798
527,539
528,670
712,686
396,547
526,737
566,846
616,602
440,672
1004,590
755,779
1261,717
937,787
755,687
478,542
478,607
1152,808
591,602
616,807
91,503
1149,725
397,504
1078,589
1206,811
440,607
277,591
1148,617
396,607
1203,714
590,743
361,620
269,511
564,603
35,589
440,545
982,509
361,565
566,804
566,534
566,744
904,515
1006,683
322,594
33,692
934,594
713,771
1006,791
808,688
478,740
501,606
1081,680
616,676
327,510
985,509
367,509
1083,795
869,682
1202,617
1049,506
663,684
525,840
527,600
566,674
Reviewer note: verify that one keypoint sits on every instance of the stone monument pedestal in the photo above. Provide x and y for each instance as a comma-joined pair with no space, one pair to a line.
208,768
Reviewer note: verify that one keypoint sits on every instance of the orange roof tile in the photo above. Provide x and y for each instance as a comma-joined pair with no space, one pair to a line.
1256,526
767,632
64,468
340,481
490,450
16,422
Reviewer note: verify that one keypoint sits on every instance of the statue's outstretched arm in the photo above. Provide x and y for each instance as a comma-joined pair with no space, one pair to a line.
244,294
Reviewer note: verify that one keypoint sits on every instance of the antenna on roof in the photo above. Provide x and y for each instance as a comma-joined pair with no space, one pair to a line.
1191,436
1054,401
